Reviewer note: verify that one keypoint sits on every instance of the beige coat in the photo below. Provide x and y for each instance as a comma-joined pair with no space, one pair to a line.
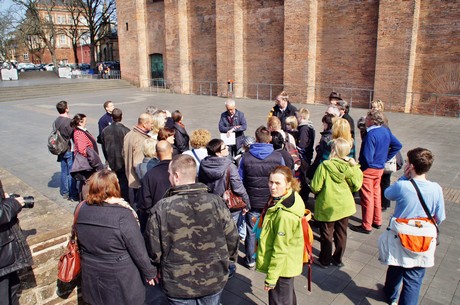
133,155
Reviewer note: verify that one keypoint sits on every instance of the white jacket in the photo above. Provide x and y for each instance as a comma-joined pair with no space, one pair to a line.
391,251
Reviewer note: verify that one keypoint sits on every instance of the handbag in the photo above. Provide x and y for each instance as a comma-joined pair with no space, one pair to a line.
390,166
425,208
69,262
233,201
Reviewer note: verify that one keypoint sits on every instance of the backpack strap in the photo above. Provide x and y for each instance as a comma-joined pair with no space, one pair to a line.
422,201
196,156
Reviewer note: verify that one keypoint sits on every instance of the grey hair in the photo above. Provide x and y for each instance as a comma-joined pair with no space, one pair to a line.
230,102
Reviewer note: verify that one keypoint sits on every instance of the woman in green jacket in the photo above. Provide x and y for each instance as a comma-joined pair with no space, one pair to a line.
280,247
334,182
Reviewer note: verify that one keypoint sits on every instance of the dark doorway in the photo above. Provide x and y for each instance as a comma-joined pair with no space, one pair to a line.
156,66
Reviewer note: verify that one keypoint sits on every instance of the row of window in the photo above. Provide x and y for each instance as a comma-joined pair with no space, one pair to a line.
65,20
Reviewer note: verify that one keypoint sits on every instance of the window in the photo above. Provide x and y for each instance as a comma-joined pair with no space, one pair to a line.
59,20
62,39
26,56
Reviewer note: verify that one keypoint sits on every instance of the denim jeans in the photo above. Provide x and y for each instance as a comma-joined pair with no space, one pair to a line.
212,299
250,242
411,279
68,184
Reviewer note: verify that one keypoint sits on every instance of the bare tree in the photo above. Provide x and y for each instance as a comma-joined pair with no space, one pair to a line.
98,14
40,22
76,27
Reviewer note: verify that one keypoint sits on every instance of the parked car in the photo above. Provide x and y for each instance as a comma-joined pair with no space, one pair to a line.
49,67
22,67
41,67
84,66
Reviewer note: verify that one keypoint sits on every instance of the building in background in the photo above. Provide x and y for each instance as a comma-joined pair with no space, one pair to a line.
403,52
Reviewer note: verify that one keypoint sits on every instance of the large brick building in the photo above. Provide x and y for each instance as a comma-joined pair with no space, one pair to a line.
404,52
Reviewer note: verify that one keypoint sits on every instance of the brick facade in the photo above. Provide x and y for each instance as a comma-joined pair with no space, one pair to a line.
398,51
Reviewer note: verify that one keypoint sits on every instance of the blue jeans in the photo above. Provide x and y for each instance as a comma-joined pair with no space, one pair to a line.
411,279
250,241
212,299
68,185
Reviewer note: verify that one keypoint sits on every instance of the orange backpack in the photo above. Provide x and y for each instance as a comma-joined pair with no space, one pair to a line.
308,245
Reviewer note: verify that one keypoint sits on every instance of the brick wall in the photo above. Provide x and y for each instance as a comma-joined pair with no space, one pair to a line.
391,50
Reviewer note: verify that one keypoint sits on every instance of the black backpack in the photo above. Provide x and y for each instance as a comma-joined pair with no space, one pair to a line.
57,144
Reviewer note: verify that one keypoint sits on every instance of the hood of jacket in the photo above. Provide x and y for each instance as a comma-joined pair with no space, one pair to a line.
338,169
286,203
261,150
213,167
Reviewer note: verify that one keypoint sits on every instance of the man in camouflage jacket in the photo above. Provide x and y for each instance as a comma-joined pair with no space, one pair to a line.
191,237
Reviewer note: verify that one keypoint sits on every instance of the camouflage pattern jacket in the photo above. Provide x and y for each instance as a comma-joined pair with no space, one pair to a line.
192,238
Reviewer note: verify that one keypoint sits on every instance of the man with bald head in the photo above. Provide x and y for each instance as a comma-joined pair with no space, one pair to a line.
191,238
155,182
133,153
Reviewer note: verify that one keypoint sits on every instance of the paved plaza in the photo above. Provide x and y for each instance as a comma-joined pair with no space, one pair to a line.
26,123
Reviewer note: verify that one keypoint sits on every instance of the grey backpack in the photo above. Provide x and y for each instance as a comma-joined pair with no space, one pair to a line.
57,144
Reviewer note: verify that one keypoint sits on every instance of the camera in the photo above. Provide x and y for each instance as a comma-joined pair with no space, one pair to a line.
29,201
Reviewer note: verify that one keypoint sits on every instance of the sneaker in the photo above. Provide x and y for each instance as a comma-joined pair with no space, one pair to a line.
360,229
318,263
335,263
251,266
65,196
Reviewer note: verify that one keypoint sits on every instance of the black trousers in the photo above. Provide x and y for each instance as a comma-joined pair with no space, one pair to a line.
384,184
337,231
284,293
9,287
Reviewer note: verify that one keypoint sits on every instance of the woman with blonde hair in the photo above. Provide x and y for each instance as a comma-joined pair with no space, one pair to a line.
334,183
342,129
199,138
280,246
115,265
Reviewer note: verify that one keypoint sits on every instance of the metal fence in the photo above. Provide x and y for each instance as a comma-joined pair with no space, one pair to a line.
421,103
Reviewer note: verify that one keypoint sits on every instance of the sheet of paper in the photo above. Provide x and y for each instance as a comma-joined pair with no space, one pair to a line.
228,138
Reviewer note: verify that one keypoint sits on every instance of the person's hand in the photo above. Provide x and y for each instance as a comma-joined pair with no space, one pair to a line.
154,281
245,210
407,170
268,287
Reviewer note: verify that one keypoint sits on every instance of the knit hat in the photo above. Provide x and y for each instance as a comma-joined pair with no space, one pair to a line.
247,141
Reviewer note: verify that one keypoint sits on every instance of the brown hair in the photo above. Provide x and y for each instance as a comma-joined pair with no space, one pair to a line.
185,164
287,173
102,185
263,135
421,159
376,116
273,123
165,133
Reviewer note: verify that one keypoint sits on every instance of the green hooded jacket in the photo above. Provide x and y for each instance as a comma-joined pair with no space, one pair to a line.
280,248
334,183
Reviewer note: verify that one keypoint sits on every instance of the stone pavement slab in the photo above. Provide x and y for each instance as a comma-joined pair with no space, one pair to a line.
26,124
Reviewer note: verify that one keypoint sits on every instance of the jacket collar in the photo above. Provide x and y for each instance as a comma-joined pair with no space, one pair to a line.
187,188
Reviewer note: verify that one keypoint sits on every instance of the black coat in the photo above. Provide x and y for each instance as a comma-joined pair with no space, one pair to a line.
181,138
282,115
154,185
112,138
114,259
14,251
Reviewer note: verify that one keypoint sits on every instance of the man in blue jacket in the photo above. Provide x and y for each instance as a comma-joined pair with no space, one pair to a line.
379,146
255,167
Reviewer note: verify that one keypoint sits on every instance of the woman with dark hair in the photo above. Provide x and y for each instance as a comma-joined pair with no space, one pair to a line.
87,159
168,134
281,242
322,149
182,138
216,170
114,260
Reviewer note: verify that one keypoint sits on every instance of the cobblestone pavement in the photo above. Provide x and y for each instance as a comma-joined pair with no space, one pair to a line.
26,124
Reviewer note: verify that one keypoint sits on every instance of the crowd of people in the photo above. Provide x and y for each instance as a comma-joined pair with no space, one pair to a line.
155,212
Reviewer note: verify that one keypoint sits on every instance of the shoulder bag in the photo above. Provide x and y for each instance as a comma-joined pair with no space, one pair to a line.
69,262
425,208
233,201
